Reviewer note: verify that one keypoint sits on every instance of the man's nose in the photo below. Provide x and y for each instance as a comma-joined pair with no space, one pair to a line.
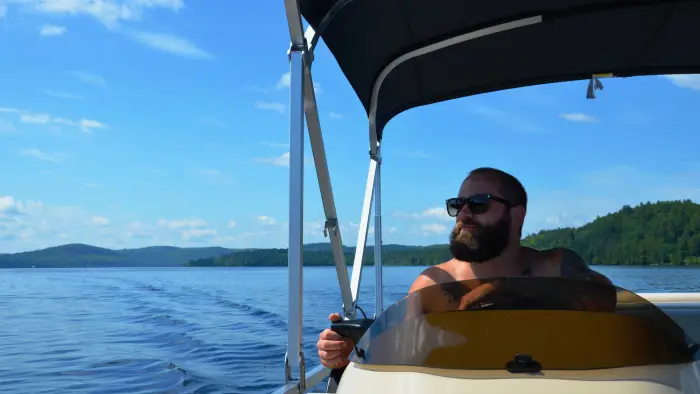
464,213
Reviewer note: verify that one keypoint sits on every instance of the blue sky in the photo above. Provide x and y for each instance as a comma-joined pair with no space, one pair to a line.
126,123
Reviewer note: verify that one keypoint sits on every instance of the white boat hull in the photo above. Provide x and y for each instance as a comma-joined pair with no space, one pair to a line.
666,379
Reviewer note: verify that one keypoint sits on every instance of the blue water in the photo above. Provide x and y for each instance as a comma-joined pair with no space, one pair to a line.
186,330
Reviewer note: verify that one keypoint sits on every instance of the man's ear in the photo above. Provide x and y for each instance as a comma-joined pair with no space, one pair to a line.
518,213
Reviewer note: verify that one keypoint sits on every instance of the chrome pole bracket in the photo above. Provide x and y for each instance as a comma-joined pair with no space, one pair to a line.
332,225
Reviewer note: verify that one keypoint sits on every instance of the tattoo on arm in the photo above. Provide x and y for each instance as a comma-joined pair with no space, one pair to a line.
572,265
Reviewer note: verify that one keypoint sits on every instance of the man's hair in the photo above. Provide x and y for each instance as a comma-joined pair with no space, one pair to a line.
509,186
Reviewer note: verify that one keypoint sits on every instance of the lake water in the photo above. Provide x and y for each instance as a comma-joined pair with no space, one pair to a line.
187,330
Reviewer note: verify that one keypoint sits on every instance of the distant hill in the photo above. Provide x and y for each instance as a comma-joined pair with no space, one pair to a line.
651,233
81,255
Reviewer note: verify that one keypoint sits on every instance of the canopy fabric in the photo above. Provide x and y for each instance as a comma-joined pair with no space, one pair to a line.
576,39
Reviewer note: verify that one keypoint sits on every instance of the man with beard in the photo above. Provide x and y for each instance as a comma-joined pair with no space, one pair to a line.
485,243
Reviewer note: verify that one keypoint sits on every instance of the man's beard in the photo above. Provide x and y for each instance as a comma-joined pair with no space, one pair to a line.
481,243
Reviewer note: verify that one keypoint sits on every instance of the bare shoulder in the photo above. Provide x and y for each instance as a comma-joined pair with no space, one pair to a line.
431,276
572,265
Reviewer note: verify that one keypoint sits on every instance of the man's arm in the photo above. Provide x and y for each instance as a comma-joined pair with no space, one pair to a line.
573,266
438,291
424,280
604,300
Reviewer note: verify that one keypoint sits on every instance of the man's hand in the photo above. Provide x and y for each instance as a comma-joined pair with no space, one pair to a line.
334,350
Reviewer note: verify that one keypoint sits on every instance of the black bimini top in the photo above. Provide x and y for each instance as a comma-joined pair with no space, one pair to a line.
542,41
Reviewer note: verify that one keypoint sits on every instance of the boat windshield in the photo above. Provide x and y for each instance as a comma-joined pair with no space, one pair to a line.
523,322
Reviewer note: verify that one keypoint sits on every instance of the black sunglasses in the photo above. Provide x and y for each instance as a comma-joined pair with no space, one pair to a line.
477,204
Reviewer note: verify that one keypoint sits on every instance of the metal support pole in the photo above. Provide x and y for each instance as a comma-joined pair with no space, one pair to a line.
295,262
378,264
362,233
331,227
296,209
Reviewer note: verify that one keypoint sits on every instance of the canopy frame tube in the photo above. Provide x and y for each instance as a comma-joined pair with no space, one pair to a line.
331,225
376,87
295,355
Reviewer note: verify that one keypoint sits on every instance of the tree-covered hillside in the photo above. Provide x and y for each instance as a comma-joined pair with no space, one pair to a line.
650,233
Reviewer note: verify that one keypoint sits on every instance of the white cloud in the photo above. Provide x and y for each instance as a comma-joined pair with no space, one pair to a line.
266,220
89,78
63,95
171,44
430,213
190,229
51,30
335,115
38,154
578,117
111,13
35,118
100,221
438,212
3,11
176,224
30,225
87,125
8,205
689,81
115,15
285,81
282,160
199,234
313,231
275,144
271,106
433,228
231,224
138,230
84,125
356,226
314,228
